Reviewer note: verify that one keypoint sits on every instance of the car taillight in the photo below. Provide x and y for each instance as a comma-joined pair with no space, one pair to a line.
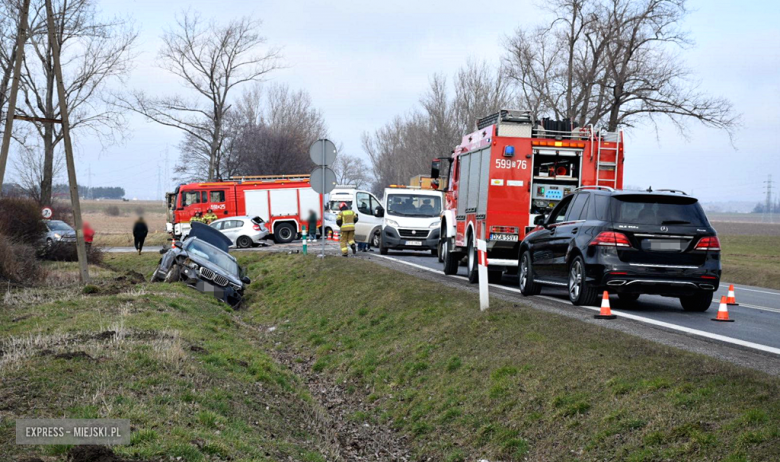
256,227
708,243
611,238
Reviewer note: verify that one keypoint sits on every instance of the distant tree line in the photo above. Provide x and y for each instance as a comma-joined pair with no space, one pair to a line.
762,208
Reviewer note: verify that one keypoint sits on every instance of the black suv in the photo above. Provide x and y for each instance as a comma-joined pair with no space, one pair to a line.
626,242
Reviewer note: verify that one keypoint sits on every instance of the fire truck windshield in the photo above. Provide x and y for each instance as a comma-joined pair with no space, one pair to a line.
413,205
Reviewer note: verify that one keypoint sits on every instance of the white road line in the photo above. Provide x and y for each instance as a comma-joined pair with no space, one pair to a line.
688,330
755,290
755,307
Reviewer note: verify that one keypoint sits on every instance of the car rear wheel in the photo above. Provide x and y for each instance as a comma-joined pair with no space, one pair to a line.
580,292
244,242
628,297
526,275
284,233
473,265
698,302
376,239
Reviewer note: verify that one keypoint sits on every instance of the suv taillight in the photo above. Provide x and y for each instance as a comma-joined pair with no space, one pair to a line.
611,238
708,243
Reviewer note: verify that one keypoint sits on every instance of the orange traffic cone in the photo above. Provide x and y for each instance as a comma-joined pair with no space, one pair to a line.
731,300
336,236
330,235
723,311
606,311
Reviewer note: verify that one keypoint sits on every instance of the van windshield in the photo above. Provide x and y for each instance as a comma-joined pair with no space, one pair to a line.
645,209
335,206
413,205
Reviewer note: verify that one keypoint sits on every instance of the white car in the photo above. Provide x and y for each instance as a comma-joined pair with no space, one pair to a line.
242,231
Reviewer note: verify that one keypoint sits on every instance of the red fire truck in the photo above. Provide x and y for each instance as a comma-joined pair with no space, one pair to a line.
504,177
282,201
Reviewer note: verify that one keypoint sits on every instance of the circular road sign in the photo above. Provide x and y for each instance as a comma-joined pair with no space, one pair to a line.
316,180
323,152
46,213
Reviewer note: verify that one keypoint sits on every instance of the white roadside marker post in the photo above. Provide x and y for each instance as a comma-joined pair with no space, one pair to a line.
484,300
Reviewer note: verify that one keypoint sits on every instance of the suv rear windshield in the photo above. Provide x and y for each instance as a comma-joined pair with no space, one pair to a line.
645,209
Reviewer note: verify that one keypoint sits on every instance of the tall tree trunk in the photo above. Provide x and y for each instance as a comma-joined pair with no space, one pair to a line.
614,112
48,141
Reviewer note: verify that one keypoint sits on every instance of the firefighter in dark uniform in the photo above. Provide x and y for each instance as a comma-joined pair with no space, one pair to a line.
346,220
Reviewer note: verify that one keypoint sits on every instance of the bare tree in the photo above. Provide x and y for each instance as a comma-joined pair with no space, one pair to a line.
94,52
267,131
211,59
612,62
29,164
404,147
352,170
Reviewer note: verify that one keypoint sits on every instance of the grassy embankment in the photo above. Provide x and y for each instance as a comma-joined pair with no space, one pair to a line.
192,381
462,385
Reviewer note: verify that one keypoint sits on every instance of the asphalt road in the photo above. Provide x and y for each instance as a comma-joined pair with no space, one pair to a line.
757,318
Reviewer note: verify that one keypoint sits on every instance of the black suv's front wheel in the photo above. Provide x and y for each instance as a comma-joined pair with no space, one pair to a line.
580,292
697,302
526,276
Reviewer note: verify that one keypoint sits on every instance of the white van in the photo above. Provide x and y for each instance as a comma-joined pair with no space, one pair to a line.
411,219
364,204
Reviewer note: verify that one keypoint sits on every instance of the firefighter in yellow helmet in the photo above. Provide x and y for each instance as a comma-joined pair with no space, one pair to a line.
346,220
209,216
197,218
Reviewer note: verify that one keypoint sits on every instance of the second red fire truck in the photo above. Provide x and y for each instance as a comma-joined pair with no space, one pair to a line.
283,202
506,176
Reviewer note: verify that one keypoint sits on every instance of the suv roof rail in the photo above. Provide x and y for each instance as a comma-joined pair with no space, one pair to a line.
672,191
593,186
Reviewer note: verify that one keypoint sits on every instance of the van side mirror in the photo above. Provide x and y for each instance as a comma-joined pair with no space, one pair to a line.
380,212
539,220
435,167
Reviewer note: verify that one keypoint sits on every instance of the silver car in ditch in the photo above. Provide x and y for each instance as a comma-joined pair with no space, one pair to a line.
243,231
57,231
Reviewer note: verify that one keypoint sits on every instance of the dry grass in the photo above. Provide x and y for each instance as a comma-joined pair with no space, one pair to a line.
727,228
116,231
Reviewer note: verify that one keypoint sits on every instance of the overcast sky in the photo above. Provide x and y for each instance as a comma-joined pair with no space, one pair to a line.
363,62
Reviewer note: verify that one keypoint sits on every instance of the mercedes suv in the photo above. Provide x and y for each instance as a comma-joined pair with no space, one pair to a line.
626,242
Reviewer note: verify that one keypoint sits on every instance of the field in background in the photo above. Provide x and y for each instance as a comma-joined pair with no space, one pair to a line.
751,251
743,217
116,231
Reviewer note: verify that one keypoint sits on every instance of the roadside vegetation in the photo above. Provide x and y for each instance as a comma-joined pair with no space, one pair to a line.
203,382
752,260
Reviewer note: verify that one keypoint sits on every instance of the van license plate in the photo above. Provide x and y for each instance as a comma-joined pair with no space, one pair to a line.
503,237
412,243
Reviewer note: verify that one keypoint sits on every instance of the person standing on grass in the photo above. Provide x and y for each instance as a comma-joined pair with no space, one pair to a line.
140,230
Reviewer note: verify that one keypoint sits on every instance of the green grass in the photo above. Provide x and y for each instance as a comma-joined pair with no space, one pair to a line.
229,401
511,383
751,260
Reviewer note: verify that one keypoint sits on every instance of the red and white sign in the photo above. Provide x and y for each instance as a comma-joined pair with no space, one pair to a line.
47,213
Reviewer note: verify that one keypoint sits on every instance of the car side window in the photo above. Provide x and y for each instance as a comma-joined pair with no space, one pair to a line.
579,207
232,224
601,207
559,212
217,225
364,203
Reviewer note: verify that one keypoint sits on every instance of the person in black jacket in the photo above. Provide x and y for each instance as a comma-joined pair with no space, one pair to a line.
140,230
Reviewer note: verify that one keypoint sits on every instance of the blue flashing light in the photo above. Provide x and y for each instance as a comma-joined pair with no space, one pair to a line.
509,151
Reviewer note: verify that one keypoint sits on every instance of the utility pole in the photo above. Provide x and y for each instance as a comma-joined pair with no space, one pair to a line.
81,249
768,203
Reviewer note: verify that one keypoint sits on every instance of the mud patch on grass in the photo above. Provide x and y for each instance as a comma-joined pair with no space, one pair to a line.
358,439
94,454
